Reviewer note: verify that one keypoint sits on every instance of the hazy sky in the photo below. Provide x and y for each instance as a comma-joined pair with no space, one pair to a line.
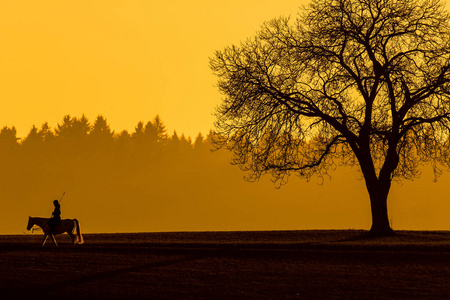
128,60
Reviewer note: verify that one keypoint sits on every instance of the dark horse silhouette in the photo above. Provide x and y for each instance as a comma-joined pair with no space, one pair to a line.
70,226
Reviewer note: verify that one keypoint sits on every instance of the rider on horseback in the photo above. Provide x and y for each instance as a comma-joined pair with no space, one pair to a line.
55,220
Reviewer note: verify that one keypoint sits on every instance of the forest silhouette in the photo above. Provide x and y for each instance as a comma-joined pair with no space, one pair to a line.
150,180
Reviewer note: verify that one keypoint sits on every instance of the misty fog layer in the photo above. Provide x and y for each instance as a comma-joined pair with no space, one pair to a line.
149,180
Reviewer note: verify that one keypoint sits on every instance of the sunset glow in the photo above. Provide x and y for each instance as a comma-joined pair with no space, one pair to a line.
126,60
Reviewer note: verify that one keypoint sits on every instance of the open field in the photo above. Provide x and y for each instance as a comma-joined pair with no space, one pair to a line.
228,265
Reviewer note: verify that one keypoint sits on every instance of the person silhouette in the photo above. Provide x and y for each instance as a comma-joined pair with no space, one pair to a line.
55,220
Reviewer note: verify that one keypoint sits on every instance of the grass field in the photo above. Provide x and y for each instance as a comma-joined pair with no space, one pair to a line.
228,265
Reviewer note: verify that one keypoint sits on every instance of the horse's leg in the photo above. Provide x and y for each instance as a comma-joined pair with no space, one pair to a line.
45,238
54,241
72,236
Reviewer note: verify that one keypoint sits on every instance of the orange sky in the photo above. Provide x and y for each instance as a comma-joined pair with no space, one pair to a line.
127,60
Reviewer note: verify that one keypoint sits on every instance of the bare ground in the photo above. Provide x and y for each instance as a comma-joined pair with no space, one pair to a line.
228,265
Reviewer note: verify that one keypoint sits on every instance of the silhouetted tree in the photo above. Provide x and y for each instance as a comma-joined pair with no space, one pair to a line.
156,130
33,138
100,144
123,137
101,130
8,141
123,145
179,146
368,78
46,133
199,142
186,141
175,139
73,128
138,134
37,137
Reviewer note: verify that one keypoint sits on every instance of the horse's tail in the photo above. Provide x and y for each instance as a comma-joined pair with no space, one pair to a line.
80,239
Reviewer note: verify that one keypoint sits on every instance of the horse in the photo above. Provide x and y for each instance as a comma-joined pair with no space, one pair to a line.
67,225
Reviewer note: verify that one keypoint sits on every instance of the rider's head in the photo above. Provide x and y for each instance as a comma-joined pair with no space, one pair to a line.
55,202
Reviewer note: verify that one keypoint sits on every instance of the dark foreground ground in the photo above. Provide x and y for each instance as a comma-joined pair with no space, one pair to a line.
228,265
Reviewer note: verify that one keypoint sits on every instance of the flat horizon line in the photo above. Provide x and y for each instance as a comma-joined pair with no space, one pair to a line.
242,231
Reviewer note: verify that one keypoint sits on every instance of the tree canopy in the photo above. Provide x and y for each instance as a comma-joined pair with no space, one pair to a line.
363,80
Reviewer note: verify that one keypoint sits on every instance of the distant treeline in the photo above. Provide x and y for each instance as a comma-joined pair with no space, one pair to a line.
92,155
84,149
76,136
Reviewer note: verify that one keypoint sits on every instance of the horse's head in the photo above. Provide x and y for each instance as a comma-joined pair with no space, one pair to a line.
30,223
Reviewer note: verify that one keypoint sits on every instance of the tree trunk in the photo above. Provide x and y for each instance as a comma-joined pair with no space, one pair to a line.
378,187
378,202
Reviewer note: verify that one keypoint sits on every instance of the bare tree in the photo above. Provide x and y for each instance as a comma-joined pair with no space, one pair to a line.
363,80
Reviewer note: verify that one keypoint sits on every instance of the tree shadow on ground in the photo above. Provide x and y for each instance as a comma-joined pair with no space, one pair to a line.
370,236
